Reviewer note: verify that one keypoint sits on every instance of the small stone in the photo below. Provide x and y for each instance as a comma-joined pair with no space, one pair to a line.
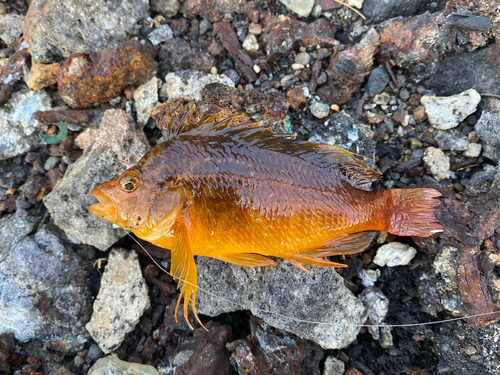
296,97
404,94
322,79
189,83
122,299
451,140
158,20
335,107
85,138
18,129
394,254
379,78
217,49
42,75
368,277
250,44
112,365
303,58
473,150
447,112
51,163
296,66
167,8
145,98
381,99
488,131
333,366
161,34
316,12
94,352
401,117
256,69
473,137
78,361
320,110
419,113
377,305
205,26
11,27
437,163
73,127
302,8
254,28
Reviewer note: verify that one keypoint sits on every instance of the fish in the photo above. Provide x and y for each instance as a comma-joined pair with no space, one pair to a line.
246,195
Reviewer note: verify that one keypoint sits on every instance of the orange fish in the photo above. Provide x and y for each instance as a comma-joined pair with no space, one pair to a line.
243,194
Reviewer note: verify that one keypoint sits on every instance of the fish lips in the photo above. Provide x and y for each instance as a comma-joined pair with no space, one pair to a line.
105,209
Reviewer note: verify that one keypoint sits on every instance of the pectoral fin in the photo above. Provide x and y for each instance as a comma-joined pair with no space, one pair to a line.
183,269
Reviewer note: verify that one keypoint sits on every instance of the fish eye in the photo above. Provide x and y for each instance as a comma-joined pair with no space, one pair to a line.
129,183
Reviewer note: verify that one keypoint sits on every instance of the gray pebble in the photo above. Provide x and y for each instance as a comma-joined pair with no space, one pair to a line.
322,79
404,94
205,26
51,163
79,361
21,204
67,160
379,78
303,58
94,353
73,127
316,12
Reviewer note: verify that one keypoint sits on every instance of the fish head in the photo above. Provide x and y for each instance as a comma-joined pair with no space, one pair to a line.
138,203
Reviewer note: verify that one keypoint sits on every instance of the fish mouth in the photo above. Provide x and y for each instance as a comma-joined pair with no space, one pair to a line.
105,209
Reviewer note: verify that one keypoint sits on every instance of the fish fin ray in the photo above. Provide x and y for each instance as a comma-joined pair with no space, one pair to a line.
355,171
247,260
412,212
183,269
345,244
298,260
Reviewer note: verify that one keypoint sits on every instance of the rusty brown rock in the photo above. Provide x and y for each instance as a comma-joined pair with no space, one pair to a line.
82,82
179,54
296,97
12,72
66,115
217,49
282,34
413,43
348,69
243,63
468,224
42,75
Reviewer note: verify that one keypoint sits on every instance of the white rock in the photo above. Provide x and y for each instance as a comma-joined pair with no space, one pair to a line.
296,66
161,34
302,8
320,110
145,98
333,366
377,306
250,44
447,112
11,27
121,301
368,277
112,365
18,129
394,254
303,58
473,150
437,163
189,83
355,3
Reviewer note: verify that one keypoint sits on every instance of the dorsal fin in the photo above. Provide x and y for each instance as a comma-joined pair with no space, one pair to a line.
353,170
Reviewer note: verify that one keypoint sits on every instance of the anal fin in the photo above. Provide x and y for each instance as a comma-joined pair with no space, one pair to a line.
345,244
247,260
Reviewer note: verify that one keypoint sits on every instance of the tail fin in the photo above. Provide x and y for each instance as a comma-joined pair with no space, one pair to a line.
412,212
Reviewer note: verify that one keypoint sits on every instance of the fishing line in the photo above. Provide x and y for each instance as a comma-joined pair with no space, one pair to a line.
298,320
